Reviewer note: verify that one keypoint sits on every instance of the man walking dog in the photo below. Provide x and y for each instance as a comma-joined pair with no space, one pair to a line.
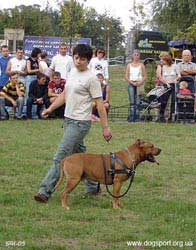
81,88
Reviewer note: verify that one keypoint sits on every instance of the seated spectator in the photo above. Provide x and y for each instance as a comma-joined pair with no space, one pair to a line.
12,94
105,96
55,88
184,92
38,95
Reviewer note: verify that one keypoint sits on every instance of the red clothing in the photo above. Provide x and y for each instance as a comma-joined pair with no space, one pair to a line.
184,91
57,88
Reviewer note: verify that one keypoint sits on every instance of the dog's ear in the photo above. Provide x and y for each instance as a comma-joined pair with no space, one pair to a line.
139,142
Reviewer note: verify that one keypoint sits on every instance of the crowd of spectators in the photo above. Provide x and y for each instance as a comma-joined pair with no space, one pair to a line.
32,84
168,76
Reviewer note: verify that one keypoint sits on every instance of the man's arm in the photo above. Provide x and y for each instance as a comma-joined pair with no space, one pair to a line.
103,118
19,90
8,69
6,96
51,93
59,101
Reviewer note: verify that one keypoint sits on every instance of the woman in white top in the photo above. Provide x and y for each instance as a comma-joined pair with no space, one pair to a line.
135,75
98,64
167,75
43,66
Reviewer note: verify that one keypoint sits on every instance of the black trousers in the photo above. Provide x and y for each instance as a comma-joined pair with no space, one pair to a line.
31,102
164,100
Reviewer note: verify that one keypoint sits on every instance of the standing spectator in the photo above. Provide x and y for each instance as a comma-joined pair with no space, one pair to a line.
159,66
81,88
106,98
61,63
38,95
43,66
4,77
186,67
168,75
98,64
55,88
32,68
12,94
18,64
135,75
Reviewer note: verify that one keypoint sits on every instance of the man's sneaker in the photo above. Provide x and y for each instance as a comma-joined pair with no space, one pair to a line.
41,198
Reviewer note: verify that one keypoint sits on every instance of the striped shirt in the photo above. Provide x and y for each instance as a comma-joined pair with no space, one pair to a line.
183,65
10,89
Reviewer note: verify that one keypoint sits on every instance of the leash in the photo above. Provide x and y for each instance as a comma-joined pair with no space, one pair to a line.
113,171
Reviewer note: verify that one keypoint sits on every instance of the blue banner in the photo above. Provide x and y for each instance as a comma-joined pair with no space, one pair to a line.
48,44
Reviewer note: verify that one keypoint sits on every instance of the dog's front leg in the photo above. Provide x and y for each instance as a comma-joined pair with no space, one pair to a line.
116,191
70,185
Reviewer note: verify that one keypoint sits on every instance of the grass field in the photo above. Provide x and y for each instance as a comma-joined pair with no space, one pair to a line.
160,208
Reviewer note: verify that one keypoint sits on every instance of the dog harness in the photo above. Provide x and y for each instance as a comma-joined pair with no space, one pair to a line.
130,171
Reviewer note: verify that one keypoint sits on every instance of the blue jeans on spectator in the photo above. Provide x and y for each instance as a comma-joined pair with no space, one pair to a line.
134,101
72,142
29,79
4,102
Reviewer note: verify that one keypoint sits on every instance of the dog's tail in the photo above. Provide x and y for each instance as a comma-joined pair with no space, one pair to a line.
61,176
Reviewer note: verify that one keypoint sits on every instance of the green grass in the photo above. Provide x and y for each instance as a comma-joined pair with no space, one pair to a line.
160,206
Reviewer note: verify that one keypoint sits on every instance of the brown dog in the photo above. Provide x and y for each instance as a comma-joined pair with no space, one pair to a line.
90,166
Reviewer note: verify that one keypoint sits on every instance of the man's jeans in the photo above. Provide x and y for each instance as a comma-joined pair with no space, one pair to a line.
72,142
4,102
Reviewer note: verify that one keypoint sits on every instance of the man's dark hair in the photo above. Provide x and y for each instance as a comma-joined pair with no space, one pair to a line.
63,45
35,52
40,75
13,73
84,51
4,47
56,73
19,48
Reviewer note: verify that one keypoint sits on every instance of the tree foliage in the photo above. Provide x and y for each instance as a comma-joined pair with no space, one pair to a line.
174,16
72,20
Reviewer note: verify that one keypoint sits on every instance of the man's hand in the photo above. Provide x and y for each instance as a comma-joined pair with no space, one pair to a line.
184,72
39,101
14,103
46,112
107,134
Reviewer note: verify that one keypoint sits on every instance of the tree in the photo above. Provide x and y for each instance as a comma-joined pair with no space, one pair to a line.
72,18
30,18
100,28
173,16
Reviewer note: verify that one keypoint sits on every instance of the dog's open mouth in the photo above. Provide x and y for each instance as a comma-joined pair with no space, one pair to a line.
151,158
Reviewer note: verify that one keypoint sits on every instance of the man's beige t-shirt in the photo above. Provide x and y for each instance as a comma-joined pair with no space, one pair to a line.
80,90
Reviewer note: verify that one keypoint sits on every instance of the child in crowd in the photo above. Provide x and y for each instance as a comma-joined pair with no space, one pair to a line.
184,92
105,95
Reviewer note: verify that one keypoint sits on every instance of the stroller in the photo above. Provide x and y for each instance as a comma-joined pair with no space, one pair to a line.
184,105
154,100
